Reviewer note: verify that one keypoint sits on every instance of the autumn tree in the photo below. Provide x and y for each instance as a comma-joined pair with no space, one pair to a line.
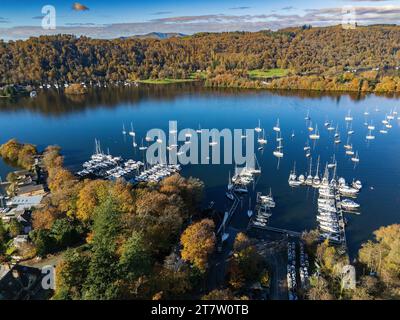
246,264
198,241
383,254
218,294
44,218
319,289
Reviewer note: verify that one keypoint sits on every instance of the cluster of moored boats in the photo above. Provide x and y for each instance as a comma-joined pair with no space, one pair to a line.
329,220
264,204
106,166
98,84
315,180
330,204
291,271
386,123
157,172
242,178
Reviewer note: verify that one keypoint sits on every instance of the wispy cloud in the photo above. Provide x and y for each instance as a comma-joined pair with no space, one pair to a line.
239,8
81,24
160,13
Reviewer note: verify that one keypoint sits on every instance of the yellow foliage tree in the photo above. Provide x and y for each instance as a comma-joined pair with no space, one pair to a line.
198,241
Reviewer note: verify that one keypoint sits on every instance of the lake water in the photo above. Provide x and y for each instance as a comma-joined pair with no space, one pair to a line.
74,123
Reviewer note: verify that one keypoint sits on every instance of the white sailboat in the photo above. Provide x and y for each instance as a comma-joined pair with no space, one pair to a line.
315,135
293,181
371,126
277,127
142,147
134,144
123,129
258,128
262,140
131,132
307,146
278,152
307,117
370,136
332,164
310,127
356,158
350,152
348,146
351,131
348,117
309,179
317,180
337,132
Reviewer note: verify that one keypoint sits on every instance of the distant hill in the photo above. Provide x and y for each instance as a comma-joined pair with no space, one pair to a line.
157,35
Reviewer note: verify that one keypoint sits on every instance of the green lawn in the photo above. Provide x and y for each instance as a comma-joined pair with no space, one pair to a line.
268,73
164,81
197,75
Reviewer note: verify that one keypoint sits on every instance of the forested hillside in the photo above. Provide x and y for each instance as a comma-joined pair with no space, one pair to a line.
302,51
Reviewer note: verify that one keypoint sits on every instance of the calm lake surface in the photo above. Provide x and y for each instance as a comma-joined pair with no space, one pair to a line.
74,123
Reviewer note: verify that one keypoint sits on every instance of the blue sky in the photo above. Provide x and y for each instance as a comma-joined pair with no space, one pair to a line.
107,19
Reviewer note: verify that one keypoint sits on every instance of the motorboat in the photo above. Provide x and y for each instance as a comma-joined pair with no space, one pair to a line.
349,204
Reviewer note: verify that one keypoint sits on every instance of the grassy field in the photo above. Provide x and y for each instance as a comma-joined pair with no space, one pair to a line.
164,81
271,73
197,75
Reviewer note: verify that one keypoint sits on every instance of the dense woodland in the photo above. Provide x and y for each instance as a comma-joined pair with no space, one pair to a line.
315,57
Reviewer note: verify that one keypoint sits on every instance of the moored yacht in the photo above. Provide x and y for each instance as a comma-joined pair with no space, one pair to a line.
315,135
349,204
277,127
356,158
370,136
316,179
258,128
348,117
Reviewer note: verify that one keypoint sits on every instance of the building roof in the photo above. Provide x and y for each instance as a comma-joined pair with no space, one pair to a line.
25,202
30,188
